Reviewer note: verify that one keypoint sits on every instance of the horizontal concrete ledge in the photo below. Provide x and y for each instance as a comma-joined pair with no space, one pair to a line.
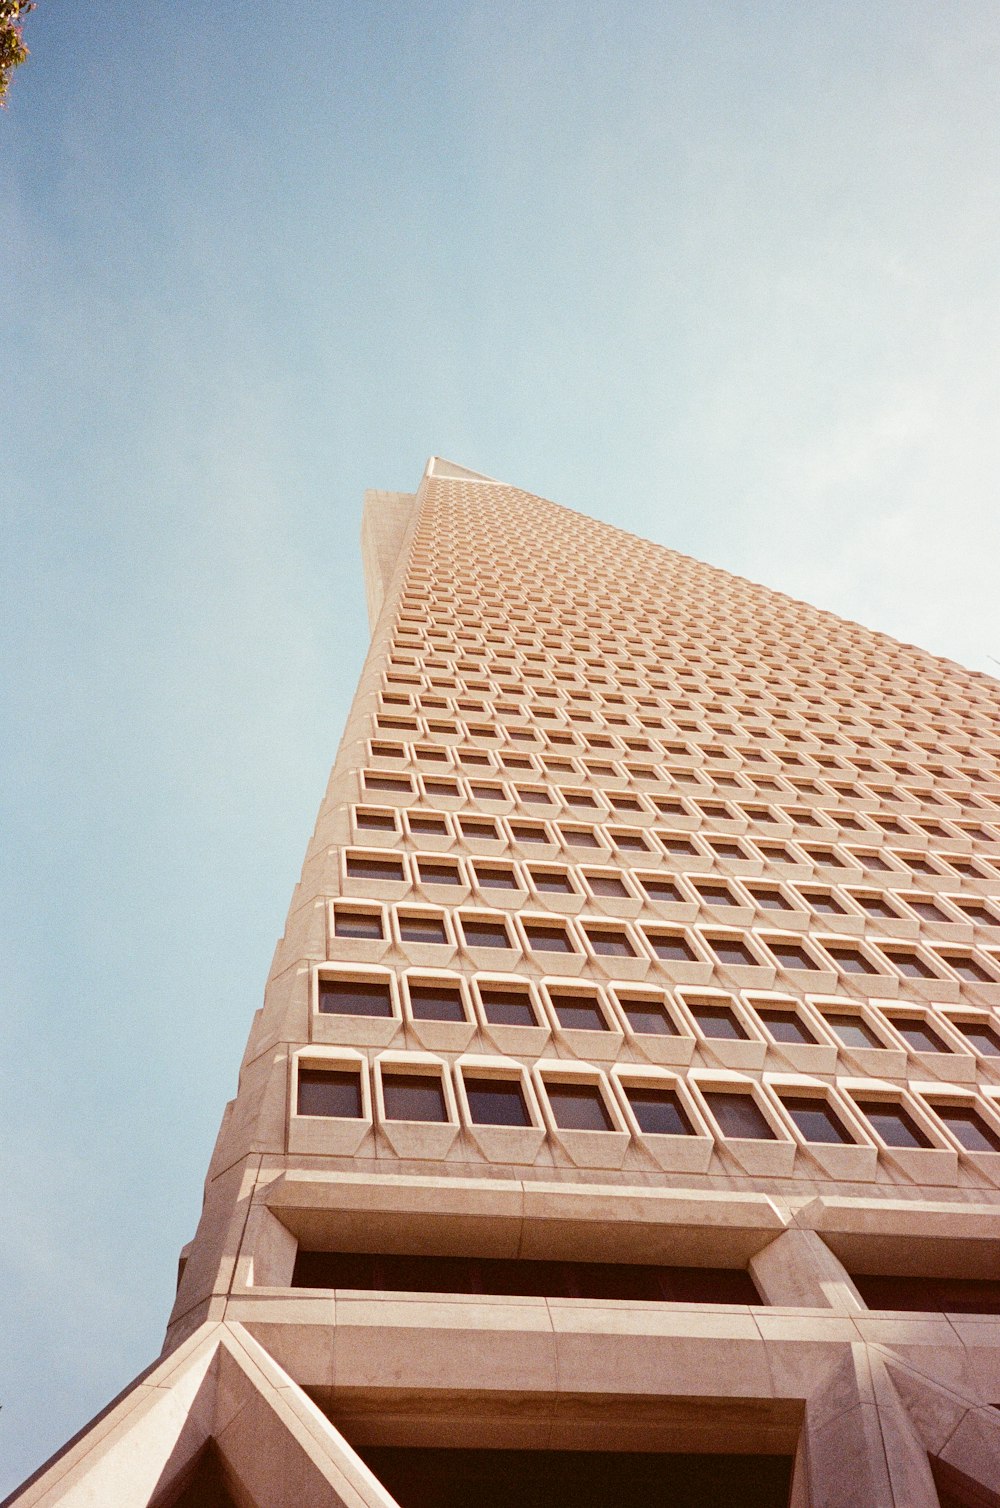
510,1218
918,1238
567,1421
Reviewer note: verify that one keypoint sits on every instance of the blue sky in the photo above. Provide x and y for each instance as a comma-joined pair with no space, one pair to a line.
724,274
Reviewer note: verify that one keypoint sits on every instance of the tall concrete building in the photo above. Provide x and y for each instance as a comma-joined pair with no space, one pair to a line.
622,1121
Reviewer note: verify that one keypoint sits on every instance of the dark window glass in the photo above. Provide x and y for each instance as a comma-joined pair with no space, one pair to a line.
785,1026
672,947
479,828
374,869
367,924
507,1007
439,874
647,1017
967,968
894,1123
485,934
851,961
548,939
915,1031
731,952
387,783
791,956
436,1002
331,1092
718,895
974,910
578,837
629,842
578,1013
872,906
910,965
854,1032
496,879
496,1102
739,1116
424,929
965,1122
413,1097
353,997
510,1276
606,884
577,1107
983,1038
376,821
661,890
823,903
659,1111
552,881
930,1295
420,824
610,944
718,1021
815,1118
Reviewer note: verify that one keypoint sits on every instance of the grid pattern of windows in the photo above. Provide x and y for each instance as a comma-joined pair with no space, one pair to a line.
612,808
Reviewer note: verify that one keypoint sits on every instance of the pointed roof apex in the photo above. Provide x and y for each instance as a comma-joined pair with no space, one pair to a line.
438,467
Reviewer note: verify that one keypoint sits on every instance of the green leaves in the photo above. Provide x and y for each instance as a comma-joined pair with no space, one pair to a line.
12,49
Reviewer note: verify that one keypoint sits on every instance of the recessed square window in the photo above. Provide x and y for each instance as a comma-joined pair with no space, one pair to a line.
850,960
578,1012
432,873
496,1102
360,867
967,969
969,1127
672,947
608,885
629,842
419,823
975,911
382,822
908,963
815,1119
739,1116
545,939
893,1123
361,924
578,837
479,827
647,1017
485,933
610,942
823,903
718,1021
792,956
785,1026
355,997
436,1002
659,1112
528,832
496,877
915,1031
718,895
329,1092
421,929
661,890
853,1031
507,1007
577,1107
873,905
552,881
733,953
413,1096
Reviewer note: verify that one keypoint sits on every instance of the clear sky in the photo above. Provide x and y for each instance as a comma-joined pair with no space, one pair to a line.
725,274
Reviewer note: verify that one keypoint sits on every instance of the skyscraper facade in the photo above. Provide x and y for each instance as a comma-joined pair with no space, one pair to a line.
622,1120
